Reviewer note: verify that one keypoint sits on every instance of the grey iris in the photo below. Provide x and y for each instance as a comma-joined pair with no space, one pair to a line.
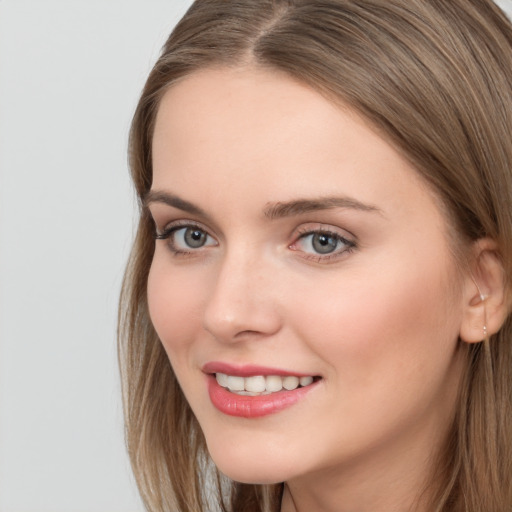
323,243
195,238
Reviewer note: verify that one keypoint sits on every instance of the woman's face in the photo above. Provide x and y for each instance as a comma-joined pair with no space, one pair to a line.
297,248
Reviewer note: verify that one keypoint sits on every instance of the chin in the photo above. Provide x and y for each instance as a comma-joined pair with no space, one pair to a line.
247,470
251,475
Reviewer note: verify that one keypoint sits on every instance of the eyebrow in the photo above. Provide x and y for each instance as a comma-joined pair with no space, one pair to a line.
156,196
272,210
300,206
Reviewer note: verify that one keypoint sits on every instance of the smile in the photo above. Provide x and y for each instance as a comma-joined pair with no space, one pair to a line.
254,391
259,385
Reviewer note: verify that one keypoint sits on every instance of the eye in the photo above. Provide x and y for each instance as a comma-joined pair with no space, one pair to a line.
192,238
184,239
322,243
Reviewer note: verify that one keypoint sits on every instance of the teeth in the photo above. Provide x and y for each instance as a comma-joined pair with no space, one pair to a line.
290,383
255,384
222,379
260,384
274,383
236,383
306,381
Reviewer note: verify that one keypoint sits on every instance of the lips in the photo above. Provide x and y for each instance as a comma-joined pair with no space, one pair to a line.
252,392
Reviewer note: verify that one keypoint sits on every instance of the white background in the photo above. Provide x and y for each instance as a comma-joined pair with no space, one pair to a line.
70,75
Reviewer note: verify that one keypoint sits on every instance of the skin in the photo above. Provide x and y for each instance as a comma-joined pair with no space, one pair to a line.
378,322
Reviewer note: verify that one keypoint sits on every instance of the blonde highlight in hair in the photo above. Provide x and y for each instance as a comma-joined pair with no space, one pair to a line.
434,78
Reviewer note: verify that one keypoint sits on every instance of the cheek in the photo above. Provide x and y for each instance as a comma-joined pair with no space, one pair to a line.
174,301
384,325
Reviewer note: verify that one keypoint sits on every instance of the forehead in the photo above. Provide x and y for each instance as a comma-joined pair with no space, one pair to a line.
252,135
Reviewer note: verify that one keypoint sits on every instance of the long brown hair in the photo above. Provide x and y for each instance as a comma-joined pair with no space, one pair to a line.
434,78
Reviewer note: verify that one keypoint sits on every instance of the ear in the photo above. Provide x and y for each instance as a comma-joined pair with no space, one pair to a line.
485,307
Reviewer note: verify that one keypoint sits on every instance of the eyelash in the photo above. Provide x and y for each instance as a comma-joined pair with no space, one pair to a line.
168,232
303,233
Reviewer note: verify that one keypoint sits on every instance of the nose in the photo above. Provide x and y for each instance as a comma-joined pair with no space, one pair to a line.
243,301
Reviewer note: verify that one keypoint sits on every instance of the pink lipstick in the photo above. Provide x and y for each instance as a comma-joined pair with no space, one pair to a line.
250,391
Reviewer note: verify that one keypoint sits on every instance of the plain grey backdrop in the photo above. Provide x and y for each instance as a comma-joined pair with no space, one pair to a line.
70,75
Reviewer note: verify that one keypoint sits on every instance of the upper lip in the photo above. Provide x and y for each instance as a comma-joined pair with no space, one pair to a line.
247,370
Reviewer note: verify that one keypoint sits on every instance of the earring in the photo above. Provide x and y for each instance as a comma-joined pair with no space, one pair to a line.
482,298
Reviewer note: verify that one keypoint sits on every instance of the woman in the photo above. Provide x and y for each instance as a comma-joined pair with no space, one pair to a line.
316,312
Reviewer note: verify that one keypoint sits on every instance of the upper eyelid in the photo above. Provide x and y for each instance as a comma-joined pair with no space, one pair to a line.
155,205
158,211
182,223
320,227
303,229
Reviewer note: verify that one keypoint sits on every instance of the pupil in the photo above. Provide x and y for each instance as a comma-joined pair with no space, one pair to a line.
195,238
323,243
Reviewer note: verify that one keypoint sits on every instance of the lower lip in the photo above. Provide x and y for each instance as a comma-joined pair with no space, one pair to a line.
253,406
